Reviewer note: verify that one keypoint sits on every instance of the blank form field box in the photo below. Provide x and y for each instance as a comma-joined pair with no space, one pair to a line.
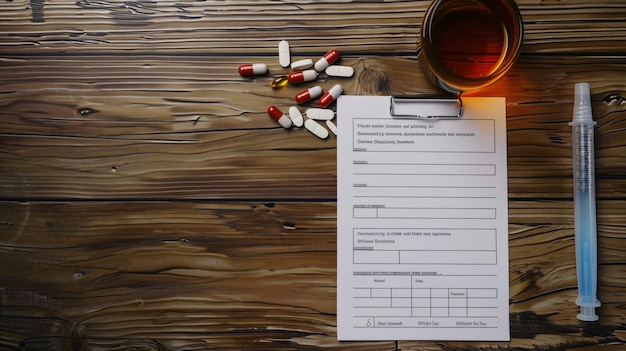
420,302
372,302
448,257
482,312
371,256
482,293
437,213
401,302
382,312
361,292
439,302
421,293
420,311
439,312
443,293
458,312
457,302
401,293
364,212
378,292
482,303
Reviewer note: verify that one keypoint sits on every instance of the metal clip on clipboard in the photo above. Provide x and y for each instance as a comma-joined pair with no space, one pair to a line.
421,106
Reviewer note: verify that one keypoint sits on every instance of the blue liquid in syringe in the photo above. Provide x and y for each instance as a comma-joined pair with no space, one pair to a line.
586,286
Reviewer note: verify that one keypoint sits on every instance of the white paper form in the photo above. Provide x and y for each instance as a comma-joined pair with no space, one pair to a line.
422,223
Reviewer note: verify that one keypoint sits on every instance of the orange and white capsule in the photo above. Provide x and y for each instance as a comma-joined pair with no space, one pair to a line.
330,95
309,94
328,59
296,77
279,116
252,69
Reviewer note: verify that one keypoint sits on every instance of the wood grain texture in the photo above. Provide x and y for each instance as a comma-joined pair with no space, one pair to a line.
253,27
233,275
147,201
193,128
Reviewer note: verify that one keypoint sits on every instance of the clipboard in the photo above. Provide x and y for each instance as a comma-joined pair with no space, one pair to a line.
422,219
418,106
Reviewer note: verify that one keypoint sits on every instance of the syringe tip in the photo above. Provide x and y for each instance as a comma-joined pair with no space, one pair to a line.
582,103
582,95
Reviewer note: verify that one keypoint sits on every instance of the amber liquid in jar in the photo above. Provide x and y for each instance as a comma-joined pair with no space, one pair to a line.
469,45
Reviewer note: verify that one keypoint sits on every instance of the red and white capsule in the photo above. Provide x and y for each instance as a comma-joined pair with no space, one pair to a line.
330,95
309,94
252,69
328,59
296,77
279,116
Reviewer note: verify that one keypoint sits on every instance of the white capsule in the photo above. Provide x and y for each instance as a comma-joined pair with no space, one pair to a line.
296,116
332,127
284,56
302,64
339,71
322,114
316,128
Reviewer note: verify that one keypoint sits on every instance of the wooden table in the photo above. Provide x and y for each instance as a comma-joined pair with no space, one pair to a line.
147,201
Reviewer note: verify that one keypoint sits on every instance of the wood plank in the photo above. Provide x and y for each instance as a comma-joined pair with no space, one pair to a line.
191,127
212,27
251,27
177,275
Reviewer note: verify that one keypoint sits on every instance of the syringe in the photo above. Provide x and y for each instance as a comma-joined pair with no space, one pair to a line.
584,204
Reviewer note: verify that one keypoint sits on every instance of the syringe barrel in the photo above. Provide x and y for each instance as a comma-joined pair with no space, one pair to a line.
585,216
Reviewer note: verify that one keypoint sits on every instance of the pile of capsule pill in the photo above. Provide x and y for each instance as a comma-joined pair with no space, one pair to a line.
304,71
